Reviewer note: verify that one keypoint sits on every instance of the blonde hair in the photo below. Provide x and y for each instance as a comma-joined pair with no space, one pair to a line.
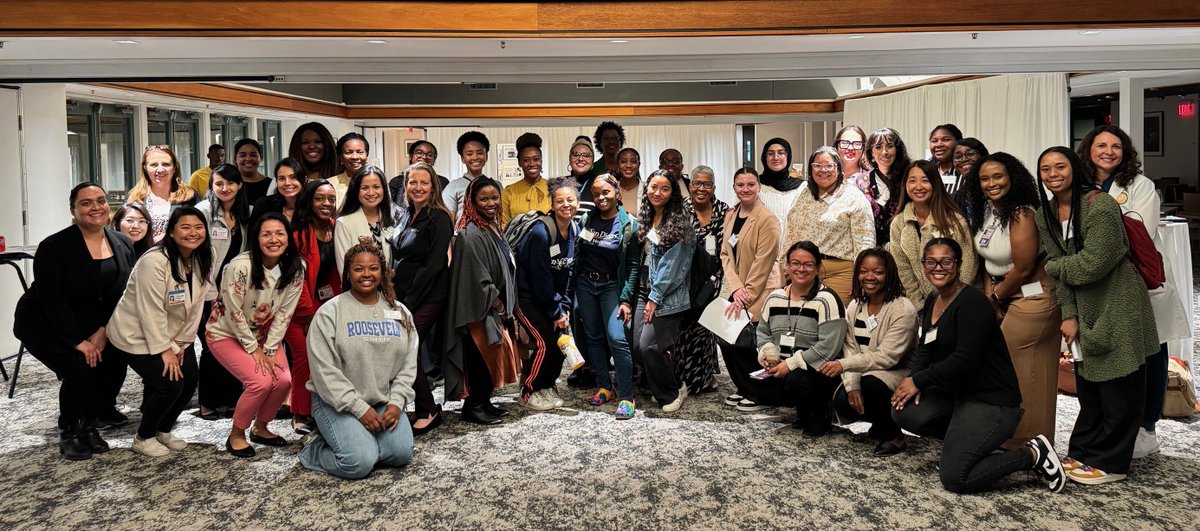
180,193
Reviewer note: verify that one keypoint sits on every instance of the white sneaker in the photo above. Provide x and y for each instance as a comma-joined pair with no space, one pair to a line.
750,406
541,401
171,441
678,402
558,401
1145,444
150,447
733,400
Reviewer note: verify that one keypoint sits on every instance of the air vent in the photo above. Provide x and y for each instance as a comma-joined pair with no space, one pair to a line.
481,86
722,83
589,85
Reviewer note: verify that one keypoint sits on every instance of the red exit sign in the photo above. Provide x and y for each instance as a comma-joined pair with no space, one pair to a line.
1187,110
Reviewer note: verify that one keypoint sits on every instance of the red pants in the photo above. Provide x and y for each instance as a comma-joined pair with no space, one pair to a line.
296,337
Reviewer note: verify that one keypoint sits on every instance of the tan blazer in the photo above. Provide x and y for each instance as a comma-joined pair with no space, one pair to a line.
757,250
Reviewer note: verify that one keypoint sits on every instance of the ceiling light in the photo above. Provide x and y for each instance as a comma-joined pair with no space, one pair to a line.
619,41
1089,32
376,41
126,41
856,36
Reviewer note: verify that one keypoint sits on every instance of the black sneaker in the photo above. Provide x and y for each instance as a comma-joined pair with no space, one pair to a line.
1046,464
111,419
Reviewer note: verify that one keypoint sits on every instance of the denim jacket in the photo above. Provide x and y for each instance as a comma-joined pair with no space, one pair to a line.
628,256
669,269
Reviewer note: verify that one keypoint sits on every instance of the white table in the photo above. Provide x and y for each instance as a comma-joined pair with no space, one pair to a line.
1177,249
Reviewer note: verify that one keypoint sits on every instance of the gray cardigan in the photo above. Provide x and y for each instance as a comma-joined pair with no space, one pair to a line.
887,353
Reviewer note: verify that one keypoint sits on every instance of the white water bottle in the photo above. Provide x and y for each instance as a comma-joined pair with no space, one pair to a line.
566,344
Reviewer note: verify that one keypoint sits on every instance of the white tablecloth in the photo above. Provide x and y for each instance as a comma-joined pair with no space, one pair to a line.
1177,249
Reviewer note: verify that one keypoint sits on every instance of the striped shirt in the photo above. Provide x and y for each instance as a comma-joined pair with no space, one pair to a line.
817,326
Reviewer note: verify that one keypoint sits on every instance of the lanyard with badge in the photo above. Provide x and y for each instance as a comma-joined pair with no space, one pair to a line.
985,237
788,339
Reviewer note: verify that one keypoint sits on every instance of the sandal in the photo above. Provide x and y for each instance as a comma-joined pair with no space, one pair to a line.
625,410
603,396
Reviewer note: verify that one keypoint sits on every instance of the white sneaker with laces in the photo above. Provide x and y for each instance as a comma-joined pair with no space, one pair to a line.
1145,444
678,402
171,441
540,401
150,447
749,406
558,401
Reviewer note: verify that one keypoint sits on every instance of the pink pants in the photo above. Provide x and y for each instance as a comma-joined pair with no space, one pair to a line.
263,396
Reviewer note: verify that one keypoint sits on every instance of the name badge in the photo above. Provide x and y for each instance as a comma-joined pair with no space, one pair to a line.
1031,289
733,238
1067,230
393,314
587,235
788,340
872,322
175,298
986,237
710,244
555,251
324,292
653,237
931,336
220,233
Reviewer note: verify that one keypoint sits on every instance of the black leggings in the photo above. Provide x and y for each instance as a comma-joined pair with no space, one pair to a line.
877,408
971,432
86,392
545,361
218,388
167,398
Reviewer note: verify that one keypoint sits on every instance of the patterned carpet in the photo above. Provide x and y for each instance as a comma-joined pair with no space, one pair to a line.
705,467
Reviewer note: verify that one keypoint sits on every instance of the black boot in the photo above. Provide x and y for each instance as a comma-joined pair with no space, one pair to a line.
90,434
72,445
478,414
495,410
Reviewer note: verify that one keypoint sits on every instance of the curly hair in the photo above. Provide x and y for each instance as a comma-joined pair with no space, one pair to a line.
676,224
1022,190
891,289
472,136
605,126
367,245
1130,165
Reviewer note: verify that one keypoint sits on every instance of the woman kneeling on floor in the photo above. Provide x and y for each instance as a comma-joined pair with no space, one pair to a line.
877,353
962,387
362,348
803,326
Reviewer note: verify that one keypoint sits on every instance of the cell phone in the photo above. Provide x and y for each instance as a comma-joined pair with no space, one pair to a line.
761,374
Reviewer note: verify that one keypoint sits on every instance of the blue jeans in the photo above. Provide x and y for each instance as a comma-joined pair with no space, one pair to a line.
347,450
597,303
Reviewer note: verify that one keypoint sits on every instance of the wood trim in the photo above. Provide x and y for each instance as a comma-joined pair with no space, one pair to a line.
603,111
233,95
570,19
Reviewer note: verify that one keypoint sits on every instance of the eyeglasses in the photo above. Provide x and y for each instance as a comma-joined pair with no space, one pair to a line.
674,162
850,144
807,266
136,222
581,156
968,154
426,154
703,185
932,263
824,167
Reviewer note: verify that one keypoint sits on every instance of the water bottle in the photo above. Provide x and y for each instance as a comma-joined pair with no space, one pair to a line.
566,344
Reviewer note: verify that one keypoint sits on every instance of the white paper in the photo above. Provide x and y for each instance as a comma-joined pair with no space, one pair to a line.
555,251
715,321
931,336
1031,289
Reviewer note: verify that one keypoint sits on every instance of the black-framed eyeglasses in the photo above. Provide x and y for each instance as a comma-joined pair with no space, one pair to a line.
426,154
850,144
932,263
703,185
968,154
807,266
581,156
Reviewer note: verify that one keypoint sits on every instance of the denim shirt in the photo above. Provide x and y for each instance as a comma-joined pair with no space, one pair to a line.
669,270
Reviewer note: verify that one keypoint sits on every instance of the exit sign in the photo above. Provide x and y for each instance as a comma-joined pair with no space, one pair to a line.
1187,110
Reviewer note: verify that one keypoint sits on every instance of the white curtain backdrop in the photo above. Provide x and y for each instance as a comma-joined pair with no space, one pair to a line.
711,145
1018,114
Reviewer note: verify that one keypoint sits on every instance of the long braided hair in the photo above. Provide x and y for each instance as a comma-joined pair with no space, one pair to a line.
473,215
367,245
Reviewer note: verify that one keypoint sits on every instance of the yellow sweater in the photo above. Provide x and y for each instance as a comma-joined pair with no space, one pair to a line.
521,197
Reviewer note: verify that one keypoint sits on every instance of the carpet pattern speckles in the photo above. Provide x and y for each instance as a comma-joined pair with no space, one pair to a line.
705,467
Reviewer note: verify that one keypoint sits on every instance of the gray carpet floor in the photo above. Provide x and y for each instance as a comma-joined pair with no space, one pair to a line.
705,467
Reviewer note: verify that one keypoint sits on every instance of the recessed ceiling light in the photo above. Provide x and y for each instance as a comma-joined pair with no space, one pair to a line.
856,36
1089,32
376,41
618,41
126,41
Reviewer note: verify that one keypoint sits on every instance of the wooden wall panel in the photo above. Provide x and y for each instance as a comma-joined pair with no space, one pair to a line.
570,19
219,93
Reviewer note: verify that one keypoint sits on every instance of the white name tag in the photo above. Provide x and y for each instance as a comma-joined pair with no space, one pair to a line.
986,237
733,238
653,237
555,251
788,340
872,322
324,292
393,314
931,336
1067,230
710,244
220,233
175,298
587,235
1031,289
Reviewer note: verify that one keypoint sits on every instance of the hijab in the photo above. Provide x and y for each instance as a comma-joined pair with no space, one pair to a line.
779,180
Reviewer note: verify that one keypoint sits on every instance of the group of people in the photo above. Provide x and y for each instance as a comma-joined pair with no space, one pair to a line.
929,296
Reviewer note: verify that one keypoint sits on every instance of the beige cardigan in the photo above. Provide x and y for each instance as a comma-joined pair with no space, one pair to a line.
156,313
757,250
908,246
892,341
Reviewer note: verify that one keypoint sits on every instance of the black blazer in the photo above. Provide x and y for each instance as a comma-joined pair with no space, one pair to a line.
66,302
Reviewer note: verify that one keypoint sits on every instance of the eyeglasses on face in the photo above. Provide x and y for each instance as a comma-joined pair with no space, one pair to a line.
584,155
969,154
850,144
425,154
932,263
703,185
806,266
824,167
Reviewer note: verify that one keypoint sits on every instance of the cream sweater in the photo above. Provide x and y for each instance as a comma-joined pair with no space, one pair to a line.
156,313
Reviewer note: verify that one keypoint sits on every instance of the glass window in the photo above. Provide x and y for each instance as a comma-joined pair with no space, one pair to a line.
79,142
217,131
115,167
100,140
269,136
183,141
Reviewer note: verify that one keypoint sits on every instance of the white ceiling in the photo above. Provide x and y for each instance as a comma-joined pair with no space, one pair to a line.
427,60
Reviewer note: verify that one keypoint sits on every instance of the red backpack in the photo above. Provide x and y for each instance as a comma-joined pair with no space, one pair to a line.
1146,259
